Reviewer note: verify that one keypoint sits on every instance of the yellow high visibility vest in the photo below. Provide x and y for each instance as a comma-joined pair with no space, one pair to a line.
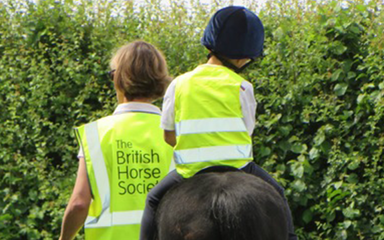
208,118
126,157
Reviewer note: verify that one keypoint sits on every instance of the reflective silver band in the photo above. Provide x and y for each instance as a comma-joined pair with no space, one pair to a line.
213,153
106,218
101,176
116,218
207,125
172,166
100,173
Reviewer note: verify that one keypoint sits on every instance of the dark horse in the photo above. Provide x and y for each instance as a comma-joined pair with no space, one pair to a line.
222,206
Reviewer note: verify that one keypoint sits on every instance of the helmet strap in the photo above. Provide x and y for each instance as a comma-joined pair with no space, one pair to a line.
228,64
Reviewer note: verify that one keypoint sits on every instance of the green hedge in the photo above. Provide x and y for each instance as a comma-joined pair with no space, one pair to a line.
319,89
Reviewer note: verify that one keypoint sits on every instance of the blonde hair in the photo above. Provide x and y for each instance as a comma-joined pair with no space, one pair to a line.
140,71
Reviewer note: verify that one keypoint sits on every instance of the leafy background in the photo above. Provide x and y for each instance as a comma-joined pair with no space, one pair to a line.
319,88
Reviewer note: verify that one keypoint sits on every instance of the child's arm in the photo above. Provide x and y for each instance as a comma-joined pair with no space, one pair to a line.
168,115
170,137
248,106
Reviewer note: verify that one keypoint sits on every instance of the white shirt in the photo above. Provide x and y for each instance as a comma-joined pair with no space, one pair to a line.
247,101
130,107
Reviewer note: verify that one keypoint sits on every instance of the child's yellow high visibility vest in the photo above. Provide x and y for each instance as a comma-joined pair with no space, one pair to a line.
208,117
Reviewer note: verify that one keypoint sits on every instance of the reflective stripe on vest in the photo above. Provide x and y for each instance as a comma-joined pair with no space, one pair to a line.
106,219
207,125
213,153
101,175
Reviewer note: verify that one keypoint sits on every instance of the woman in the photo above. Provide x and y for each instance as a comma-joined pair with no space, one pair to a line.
122,156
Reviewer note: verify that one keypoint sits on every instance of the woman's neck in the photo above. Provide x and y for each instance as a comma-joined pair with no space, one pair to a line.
136,100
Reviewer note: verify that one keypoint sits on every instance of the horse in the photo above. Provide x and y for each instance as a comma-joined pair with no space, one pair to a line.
222,205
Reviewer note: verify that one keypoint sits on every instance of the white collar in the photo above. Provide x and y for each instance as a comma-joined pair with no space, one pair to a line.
137,107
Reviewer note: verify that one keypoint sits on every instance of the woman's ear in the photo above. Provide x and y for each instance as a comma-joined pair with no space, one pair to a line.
120,96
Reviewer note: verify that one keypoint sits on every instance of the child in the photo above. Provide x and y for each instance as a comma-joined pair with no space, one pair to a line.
209,113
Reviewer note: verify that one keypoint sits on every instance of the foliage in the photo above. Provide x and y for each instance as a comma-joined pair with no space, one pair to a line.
319,89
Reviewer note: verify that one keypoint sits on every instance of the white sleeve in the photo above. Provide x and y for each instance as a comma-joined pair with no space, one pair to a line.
248,106
81,153
168,111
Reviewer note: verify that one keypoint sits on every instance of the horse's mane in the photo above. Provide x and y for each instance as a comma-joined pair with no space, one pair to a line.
222,206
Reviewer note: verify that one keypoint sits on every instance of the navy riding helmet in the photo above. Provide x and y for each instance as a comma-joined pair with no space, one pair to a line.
234,32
